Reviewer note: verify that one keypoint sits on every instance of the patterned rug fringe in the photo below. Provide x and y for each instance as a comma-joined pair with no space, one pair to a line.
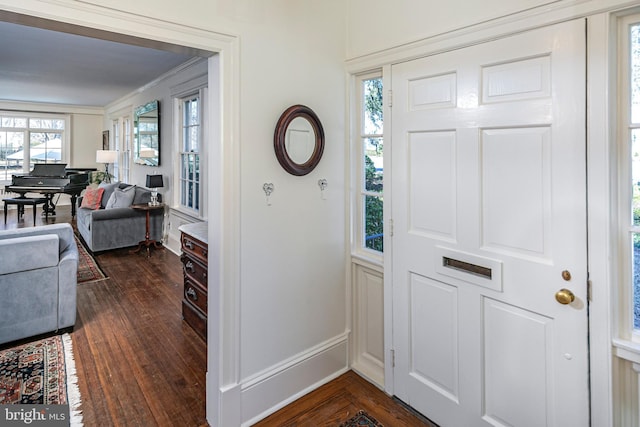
73,392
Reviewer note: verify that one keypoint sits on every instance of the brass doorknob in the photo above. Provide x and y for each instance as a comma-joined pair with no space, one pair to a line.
565,296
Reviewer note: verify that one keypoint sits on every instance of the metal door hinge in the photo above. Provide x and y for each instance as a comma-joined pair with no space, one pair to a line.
589,290
393,358
390,93
391,227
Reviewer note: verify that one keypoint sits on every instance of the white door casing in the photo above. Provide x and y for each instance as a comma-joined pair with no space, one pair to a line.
489,210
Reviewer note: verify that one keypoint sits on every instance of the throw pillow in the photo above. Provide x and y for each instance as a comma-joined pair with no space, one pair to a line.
108,191
121,197
91,198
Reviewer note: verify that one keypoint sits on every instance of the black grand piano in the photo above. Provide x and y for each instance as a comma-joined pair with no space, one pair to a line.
49,179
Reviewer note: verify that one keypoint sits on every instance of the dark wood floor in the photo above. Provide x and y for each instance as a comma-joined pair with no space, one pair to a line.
338,401
139,364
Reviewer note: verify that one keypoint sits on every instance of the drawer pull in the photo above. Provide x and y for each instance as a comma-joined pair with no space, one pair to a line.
188,244
189,266
191,293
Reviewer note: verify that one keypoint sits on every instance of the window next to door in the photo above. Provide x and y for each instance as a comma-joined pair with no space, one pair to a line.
369,221
629,137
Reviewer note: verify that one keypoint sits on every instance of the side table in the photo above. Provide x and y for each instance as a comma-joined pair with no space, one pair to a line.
148,242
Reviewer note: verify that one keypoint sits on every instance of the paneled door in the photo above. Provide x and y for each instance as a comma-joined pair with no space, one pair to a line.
489,247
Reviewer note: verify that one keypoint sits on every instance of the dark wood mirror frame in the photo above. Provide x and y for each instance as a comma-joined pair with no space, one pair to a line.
279,140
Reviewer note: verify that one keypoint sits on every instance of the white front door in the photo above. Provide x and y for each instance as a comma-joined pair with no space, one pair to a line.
489,211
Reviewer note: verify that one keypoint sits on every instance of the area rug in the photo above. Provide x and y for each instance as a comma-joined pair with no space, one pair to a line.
362,419
88,269
41,372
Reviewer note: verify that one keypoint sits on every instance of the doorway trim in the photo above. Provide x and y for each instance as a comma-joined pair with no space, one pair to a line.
222,385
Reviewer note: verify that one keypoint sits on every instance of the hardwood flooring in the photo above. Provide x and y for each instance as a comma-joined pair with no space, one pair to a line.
338,401
139,364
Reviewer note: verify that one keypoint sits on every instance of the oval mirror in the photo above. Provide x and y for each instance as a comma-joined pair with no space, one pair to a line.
298,140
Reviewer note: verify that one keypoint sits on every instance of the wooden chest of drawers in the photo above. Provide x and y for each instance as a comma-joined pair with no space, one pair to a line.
194,268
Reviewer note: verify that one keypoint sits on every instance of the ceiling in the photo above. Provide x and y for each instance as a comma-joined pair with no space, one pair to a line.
46,66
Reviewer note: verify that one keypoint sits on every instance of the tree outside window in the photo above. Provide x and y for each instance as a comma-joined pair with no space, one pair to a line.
372,157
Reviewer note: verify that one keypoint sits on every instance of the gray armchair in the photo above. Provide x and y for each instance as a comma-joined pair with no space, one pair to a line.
38,279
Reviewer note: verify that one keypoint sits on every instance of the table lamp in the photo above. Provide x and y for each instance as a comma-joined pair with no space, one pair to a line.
153,183
106,157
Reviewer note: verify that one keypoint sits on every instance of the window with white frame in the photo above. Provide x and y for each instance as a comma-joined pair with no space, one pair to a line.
29,138
190,152
125,150
115,131
121,130
629,137
370,221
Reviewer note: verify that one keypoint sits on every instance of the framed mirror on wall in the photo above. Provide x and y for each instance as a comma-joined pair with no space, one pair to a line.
298,140
146,134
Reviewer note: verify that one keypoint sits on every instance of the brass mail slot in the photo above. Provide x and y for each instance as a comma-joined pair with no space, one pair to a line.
456,264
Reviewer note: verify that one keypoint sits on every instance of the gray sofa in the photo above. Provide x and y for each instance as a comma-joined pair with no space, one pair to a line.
38,279
105,229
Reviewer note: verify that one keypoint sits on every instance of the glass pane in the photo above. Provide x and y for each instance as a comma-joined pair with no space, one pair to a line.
183,192
372,106
191,112
373,223
197,195
183,166
193,138
636,280
373,173
635,174
13,122
35,123
45,147
635,73
190,172
185,139
11,154
46,123
186,112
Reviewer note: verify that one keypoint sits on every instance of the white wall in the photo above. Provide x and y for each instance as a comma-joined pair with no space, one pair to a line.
86,138
389,24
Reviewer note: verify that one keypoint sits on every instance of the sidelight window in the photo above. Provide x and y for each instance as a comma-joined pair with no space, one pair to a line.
630,154
371,171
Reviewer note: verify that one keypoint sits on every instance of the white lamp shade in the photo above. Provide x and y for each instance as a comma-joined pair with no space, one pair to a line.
106,156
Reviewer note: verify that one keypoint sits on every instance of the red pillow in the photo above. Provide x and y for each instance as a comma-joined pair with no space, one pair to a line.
92,198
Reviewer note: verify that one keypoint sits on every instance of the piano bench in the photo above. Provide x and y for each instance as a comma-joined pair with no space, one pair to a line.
21,202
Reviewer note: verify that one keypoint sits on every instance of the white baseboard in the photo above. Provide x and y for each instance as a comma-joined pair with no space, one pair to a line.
273,390
173,244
